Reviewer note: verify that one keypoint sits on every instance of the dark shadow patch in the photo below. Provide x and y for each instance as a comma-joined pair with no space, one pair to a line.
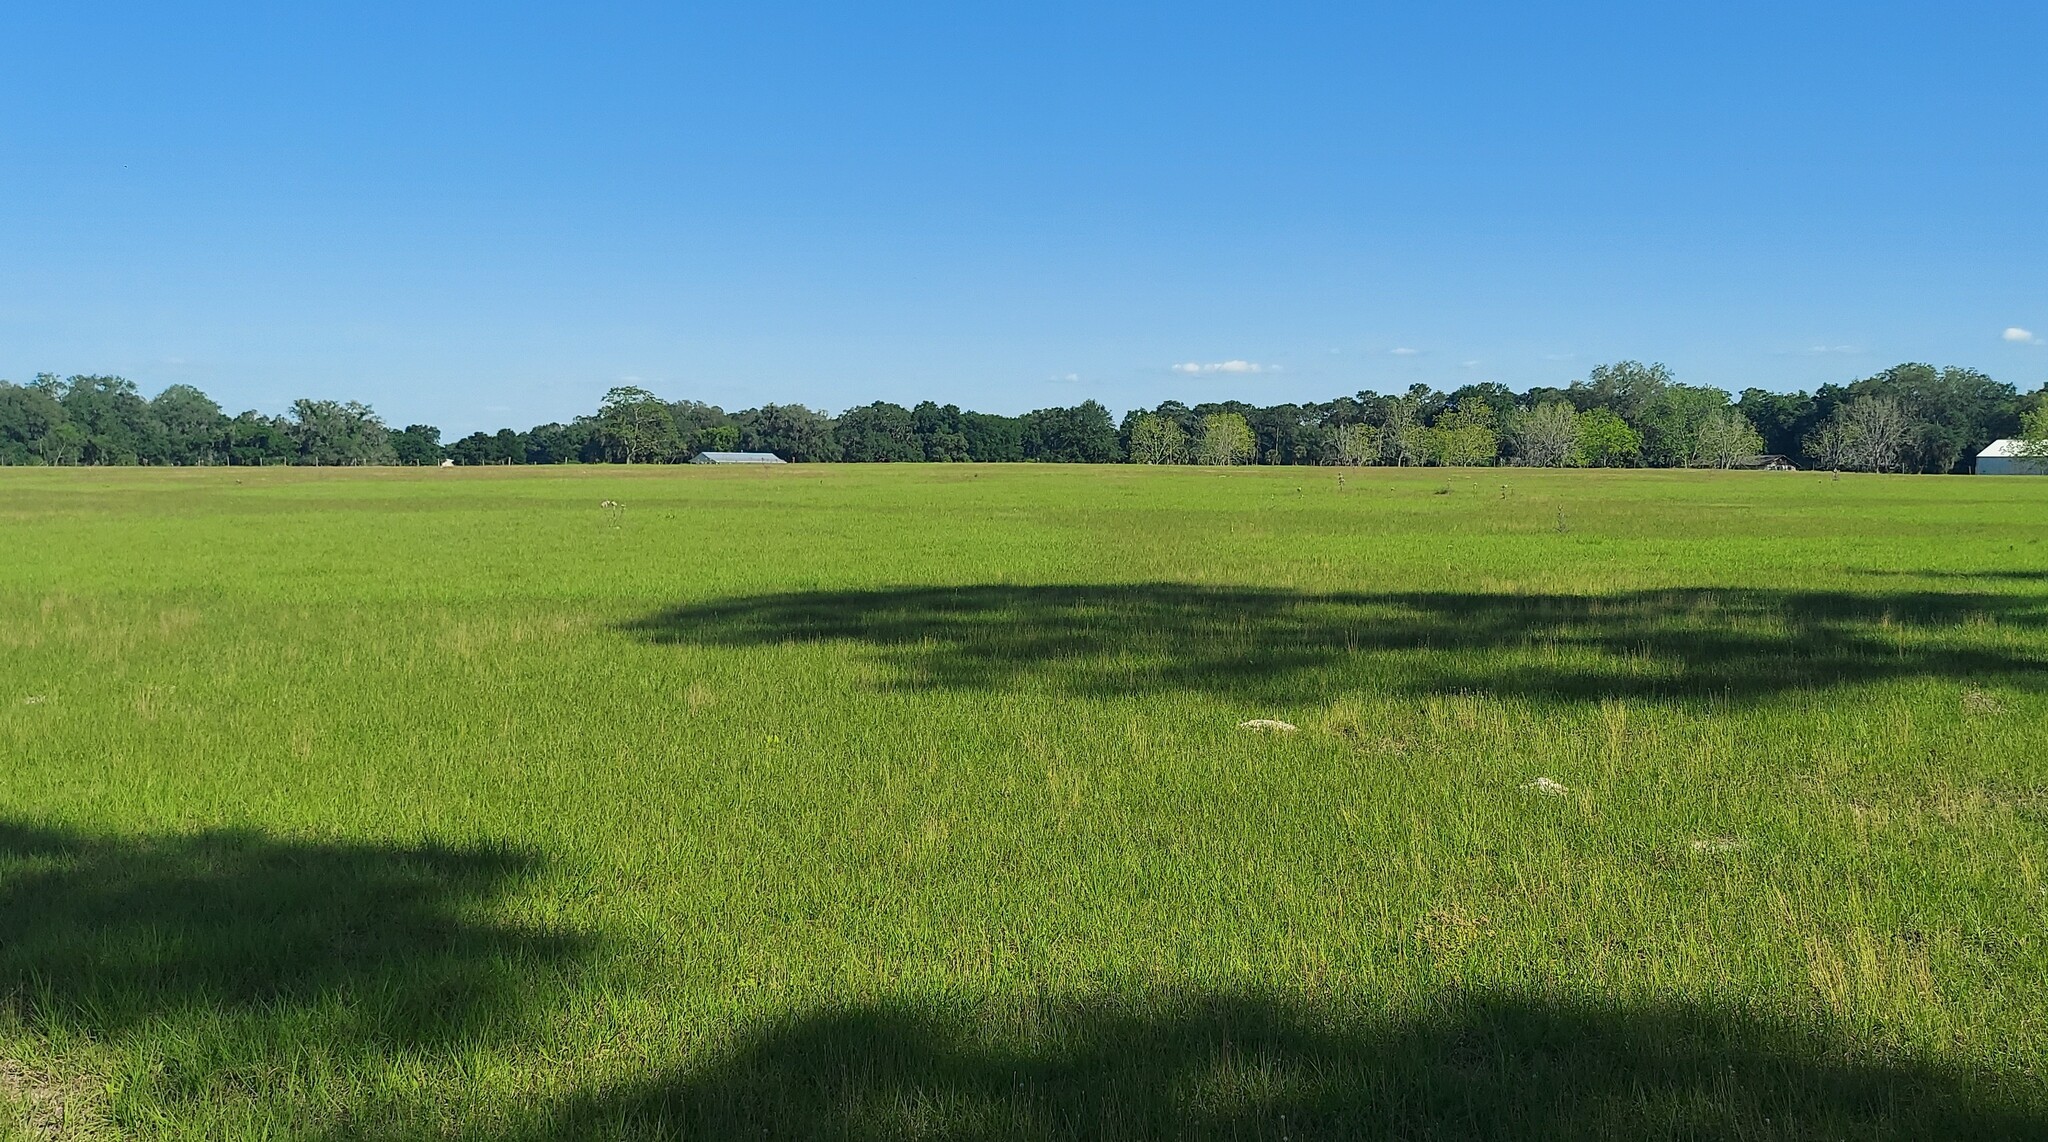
106,934
1139,638
2009,576
1242,1067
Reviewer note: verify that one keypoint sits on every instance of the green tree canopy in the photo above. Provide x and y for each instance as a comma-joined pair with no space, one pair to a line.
1606,441
1084,434
327,432
1226,439
878,433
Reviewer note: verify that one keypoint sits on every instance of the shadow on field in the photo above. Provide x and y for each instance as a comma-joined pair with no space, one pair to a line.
104,934
1138,638
1238,1067
2005,575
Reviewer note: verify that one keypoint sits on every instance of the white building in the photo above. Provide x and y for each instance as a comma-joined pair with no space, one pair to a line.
2003,458
736,458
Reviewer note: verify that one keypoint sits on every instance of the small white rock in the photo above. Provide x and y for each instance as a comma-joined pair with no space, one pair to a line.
1546,785
34,700
1268,725
1720,845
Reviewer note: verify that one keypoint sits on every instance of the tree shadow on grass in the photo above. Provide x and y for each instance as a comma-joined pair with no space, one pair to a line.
108,934
2007,575
1242,1067
1719,643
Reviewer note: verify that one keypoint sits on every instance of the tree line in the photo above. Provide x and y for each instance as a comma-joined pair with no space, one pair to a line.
1909,418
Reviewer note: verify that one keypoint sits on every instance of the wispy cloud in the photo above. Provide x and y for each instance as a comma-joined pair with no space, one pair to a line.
1825,350
1404,351
1225,367
2019,336
1065,377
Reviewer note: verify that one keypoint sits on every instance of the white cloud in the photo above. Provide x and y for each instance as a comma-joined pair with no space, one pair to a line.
1819,350
1068,377
1225,367
1469,364
1404,351
2019,336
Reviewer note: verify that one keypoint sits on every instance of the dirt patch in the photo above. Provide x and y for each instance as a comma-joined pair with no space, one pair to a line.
46,1108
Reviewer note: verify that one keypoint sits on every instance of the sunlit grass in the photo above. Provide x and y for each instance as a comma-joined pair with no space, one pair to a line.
912,802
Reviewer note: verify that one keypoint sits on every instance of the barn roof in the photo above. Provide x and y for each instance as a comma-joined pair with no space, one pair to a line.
2002,448
737,458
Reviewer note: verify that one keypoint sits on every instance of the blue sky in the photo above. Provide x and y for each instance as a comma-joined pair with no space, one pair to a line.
478,215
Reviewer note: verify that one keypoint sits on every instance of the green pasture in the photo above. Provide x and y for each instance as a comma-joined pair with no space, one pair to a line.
911,802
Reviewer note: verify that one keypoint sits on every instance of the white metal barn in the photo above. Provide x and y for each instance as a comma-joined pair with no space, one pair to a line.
736,458
2002,458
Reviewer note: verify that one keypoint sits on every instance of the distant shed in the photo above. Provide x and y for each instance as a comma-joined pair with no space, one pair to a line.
736,458
2003,458
1766,464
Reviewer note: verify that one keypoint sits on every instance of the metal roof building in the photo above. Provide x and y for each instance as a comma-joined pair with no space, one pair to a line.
736,458
2002,458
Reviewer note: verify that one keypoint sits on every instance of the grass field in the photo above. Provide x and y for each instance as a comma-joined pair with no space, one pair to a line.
880,802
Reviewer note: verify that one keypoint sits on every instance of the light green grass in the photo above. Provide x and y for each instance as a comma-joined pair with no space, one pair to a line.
910,802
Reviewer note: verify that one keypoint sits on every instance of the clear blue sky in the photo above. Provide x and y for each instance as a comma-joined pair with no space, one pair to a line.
486,214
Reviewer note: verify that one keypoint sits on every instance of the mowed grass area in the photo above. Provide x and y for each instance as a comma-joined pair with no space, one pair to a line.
910,802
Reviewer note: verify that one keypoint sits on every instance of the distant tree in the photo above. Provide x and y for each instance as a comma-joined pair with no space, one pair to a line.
508,447
1545,436
1627,387
937,430
791,431
1724,439
1783,419
1828,445
635,427
2033,432
254,440
701,427
1084,434
1357,444
1401,433
327,432
417,444
112,418
1670,422
1157,440
1605,440
1416,444
947,446
1281,433
1488,403
1226,439
472,450
1424,403
1877,431
1344,412
878,433
992,439
34,428
713,438
1950,413
1459,440
554,443
193,428
1314,444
